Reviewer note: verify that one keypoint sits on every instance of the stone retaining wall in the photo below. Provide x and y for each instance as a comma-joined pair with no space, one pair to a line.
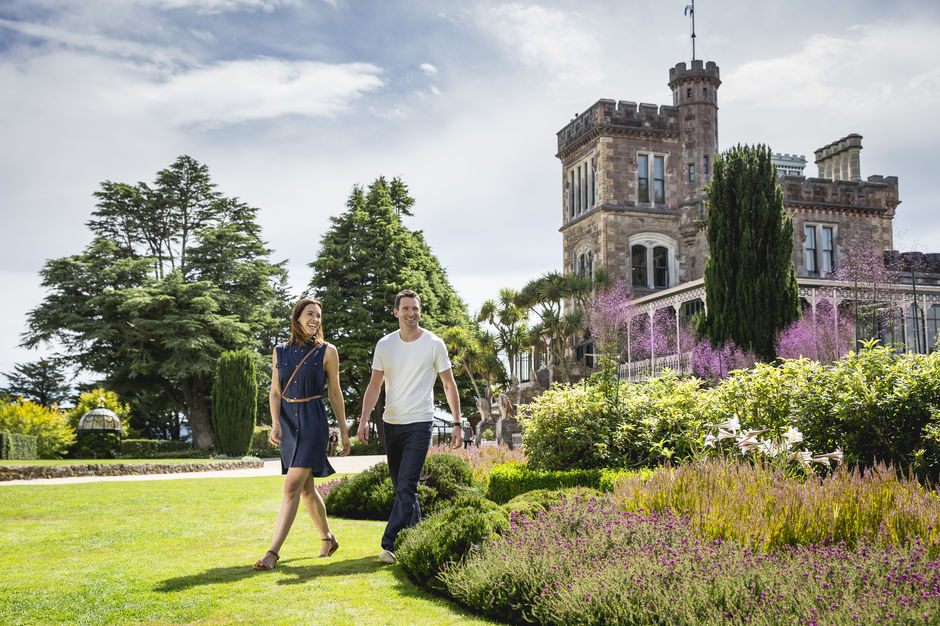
26,472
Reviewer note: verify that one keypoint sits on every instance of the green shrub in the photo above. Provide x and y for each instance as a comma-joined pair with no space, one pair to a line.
446,537
261,446
532,502
604,423
488,435
510,480
50,426
14,446
369,494
234,402
153,448
373,446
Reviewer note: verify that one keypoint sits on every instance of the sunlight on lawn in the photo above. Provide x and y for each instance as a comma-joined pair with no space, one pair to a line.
181,551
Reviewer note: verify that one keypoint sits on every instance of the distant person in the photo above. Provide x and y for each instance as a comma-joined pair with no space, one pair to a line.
467,435
334,439
299,426
408,361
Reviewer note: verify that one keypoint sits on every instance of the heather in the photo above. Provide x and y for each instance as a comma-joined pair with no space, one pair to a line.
767,508
482,460
586,561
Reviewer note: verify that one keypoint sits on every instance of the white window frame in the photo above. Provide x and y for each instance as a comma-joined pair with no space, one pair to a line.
651,241
651,173
581,179
818,250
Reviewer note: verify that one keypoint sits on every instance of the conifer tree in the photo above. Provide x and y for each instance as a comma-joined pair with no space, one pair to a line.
234,397
750,279
366,257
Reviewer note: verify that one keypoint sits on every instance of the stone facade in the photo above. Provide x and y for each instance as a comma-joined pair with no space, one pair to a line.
633,180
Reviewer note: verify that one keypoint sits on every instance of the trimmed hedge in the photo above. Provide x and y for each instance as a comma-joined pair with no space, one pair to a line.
509,480
447,537
97,446
14,446
152,448
531,503
261,446
234,401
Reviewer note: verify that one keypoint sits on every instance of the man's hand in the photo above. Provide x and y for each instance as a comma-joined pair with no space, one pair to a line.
346,447
362,434
456,437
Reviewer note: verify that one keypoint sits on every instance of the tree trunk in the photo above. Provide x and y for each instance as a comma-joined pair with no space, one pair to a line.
197,412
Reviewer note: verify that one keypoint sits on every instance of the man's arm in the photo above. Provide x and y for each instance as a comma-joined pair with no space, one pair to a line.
453,401
369,399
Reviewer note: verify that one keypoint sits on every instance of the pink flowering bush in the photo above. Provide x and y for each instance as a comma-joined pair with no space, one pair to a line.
586,561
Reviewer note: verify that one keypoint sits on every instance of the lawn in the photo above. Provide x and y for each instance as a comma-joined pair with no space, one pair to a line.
180,551
56,462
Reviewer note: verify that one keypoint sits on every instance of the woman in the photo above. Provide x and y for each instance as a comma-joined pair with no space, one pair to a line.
299,424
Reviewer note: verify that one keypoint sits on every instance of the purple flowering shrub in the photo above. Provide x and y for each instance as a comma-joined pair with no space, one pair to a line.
766,509
586,561
822,336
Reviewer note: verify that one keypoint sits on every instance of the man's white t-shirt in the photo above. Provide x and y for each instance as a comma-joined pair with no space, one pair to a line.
410,369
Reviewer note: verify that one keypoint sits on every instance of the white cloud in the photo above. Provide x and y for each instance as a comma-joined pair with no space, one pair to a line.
428,69
223,6
548,39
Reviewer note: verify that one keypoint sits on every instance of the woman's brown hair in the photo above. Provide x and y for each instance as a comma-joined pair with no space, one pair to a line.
298,334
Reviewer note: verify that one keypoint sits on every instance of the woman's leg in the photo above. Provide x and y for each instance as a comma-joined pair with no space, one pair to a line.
293,487
317,510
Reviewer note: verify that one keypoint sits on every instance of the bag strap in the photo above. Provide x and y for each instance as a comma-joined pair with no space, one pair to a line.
297,369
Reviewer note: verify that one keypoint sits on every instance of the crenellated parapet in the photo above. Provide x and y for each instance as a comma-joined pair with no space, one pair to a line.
620,116
878,194
698,69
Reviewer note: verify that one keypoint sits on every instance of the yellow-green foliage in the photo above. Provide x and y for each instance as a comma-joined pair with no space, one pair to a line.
48,424
767,509
108,399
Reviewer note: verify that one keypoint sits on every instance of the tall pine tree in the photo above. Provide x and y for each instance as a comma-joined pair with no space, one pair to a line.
366,257
750,280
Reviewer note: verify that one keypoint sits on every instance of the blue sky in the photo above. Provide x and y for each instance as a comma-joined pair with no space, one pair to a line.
291,103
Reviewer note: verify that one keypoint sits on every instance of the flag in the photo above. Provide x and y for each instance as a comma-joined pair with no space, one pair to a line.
689,9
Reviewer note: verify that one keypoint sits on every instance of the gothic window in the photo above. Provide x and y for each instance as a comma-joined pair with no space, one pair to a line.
638,254
933,324
586,263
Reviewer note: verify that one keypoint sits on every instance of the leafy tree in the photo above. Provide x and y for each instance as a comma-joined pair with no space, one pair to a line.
366,257
43,382
750,280
176,273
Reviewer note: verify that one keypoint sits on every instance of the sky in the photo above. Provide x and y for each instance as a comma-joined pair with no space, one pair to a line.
290,103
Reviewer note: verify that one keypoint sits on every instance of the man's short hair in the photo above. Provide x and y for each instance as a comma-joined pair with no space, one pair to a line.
407,293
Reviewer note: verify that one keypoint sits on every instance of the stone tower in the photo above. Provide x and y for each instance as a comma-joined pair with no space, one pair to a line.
632,178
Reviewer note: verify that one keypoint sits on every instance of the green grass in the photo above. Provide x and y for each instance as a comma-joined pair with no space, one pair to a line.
180,551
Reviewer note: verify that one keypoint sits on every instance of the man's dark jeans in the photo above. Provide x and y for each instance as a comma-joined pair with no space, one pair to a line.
406,446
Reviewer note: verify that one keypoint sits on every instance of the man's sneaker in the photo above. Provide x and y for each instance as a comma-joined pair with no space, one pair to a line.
387,556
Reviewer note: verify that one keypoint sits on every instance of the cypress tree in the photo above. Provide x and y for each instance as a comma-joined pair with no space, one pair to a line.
234,408
750,279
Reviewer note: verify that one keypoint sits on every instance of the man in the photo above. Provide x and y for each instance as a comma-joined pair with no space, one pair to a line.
408,361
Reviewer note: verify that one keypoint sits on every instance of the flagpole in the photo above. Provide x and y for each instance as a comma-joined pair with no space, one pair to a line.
693,30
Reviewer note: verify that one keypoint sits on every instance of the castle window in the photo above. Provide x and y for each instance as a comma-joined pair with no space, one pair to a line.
638,255
705,167
643,172
586,263
705,92
688,93
653,260
581,195
593,181
571,194
660,267
819,249
691,173
658,192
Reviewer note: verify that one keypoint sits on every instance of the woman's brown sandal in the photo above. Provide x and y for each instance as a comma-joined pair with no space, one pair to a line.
261,566
334,546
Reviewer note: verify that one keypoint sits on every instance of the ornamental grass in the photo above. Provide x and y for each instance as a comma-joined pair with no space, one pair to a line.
766,508
587,561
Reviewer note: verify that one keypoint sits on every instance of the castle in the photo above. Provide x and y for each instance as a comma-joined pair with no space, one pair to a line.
633,179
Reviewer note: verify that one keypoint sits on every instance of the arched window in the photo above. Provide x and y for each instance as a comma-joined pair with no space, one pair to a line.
652,260
638,254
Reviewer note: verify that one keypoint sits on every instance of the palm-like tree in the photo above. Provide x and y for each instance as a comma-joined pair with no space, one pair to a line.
508,317
477,354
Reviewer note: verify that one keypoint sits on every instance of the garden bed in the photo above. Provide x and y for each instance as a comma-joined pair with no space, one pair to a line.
28,472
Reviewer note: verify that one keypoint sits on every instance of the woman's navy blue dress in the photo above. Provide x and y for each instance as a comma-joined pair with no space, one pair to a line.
305,432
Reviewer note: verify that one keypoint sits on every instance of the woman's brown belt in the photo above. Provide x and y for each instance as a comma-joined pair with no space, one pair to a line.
300,399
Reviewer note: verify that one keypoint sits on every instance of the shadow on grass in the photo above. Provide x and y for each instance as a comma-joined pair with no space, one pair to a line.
298,573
